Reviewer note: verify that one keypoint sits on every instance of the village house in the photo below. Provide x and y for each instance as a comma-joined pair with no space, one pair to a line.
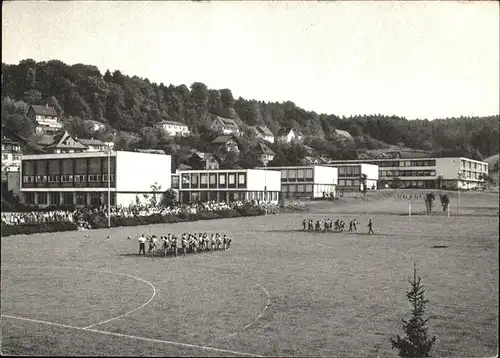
11,155
262,132
173,128
95,145
94,126
288,135
265,153
343,135
45,118
62,142
200,160
226,143
225,126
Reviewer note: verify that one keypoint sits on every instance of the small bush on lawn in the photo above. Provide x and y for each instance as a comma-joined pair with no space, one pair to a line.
227,213
249,210
27,229
207,215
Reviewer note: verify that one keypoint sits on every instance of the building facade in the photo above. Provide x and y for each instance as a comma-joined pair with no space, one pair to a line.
227,185
427,173
350,176
81,179
310,182
45,118
173,128
225,126
262,132
95,145
288,135
11,155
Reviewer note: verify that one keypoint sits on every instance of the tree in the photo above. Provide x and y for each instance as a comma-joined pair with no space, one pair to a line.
155,188
429,201
445,201
169,198
108,77
230,161
415,342
227,98
199,93
363,178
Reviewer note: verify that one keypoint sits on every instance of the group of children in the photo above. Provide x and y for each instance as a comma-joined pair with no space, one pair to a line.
329,225
187,242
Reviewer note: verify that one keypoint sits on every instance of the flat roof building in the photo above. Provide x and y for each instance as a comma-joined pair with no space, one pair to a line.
312,181
430,173
350,175
227,185
81,179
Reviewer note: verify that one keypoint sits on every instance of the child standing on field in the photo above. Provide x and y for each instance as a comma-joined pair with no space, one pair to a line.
370,231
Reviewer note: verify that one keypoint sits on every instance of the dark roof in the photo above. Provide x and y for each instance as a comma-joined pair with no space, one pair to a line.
90,141
227,122
285,130
264,130
223,139
56,140
183,166
205,156
44,110
264,149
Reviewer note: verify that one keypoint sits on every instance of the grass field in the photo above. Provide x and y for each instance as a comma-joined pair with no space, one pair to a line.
278,291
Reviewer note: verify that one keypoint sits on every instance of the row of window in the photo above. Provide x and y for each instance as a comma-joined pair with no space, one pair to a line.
470,175
349,182
465,164
297,188
204,180
68,178
349,170
297,174
56,198
407,173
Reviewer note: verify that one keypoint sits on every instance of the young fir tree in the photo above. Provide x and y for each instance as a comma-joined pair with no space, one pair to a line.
415,343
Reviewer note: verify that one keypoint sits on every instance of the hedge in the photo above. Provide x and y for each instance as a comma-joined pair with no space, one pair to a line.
98,221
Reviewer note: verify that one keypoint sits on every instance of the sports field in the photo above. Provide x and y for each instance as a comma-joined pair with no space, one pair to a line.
278,291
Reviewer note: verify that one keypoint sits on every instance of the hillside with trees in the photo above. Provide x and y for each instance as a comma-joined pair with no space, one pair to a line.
126,105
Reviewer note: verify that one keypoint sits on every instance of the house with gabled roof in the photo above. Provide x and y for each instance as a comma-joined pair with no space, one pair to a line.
95,145
288,135
343,134
62,142
265,153
262,132
225,126
201,160
45,118
173,128
226,143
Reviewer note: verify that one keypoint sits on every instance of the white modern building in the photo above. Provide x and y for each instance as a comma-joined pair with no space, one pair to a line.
350,176
312,182
227,185
81,179
173,128
430,173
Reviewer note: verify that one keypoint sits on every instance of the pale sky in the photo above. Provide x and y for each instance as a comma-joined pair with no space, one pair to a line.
413,59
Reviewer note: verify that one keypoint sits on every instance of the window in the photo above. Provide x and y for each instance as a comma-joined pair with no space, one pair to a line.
81,199
66,178
194,179
309,188
204,179
213,179
232,179
341,170
41,178
185,180
175,181
309,174
300,188
407,163
285,188
93,178
283,174
105,178
241,179
293,188
54,198
30,198
348,182
28,179
5,156
42,198
349,171
79,178
222,180
300,174
292,174
356,170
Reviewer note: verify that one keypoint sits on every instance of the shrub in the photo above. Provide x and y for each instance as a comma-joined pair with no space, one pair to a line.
26,229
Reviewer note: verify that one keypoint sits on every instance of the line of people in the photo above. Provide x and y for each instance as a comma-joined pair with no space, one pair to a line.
194,243
338,225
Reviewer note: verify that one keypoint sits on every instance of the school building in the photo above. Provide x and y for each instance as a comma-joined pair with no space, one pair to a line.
227,185
350,176
81,179
427,173
310,182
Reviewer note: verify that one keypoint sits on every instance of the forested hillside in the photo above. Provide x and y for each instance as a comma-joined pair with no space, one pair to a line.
126,104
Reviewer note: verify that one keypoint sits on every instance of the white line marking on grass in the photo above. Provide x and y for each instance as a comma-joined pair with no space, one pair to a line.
109,272
134,337
260,315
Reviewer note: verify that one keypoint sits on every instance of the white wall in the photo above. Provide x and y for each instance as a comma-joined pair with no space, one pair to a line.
325,175
258,178
136,172
127,199
448,167
371,171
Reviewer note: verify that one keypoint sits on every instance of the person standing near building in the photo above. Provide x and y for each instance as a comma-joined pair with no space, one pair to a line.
142,244
370,231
